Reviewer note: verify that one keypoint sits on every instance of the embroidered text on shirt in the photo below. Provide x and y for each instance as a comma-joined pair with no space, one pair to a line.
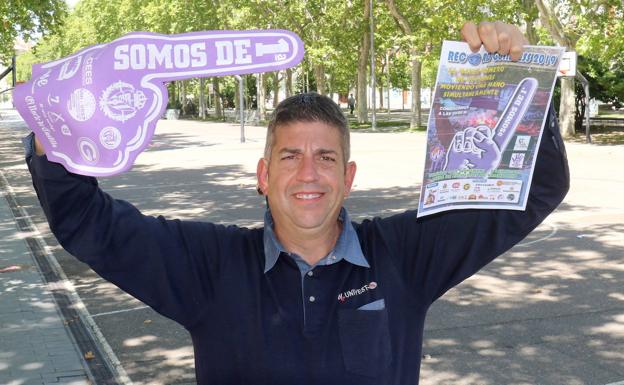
353,292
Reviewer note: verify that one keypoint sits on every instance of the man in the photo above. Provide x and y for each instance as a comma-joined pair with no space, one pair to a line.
351,103
310,298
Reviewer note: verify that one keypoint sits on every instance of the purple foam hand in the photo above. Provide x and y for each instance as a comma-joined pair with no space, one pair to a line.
481,147
96,110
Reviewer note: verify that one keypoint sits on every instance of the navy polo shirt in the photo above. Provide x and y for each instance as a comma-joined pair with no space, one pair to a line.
253,317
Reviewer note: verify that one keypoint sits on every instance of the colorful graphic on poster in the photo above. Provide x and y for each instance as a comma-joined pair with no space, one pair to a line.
96,110
484,127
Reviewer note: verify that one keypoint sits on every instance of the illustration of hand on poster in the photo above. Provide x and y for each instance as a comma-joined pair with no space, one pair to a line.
95,111
481,147
484,127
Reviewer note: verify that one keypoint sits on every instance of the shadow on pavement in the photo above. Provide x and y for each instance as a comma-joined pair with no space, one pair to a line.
546,312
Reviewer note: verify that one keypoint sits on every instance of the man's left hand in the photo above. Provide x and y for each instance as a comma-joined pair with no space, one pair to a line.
495,37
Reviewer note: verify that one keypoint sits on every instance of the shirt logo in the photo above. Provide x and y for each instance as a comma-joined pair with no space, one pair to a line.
353,292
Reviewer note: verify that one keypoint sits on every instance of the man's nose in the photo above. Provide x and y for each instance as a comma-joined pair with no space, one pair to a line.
307,171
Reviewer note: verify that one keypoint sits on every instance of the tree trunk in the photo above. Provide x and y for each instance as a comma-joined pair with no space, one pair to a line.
329,87
306,84
362,71
289,90
550,21
416,71
202,99
217,97
176,93
531,14
276,84
416,64
380,84
567,107
319,75
260,95
183,91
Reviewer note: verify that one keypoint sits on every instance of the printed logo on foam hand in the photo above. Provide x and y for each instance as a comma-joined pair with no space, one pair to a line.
96,110
481,147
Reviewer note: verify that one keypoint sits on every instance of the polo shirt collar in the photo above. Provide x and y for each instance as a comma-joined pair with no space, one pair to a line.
347,247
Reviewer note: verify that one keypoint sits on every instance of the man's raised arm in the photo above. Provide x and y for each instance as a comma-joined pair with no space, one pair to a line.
157,261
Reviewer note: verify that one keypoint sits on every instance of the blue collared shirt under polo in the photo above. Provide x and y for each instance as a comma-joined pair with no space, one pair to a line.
347,247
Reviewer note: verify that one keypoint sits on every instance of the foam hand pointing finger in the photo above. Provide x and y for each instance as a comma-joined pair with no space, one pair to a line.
481,147
96,110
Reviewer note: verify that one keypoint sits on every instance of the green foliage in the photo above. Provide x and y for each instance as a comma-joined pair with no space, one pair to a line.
606,80
24,63
331,31
27,19
399,70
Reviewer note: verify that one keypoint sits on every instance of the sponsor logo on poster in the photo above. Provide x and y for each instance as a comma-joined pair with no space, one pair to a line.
522,143
516,160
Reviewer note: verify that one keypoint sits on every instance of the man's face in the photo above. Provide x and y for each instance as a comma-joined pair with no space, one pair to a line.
305,179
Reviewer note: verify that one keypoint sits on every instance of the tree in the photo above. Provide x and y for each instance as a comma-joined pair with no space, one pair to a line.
566,39
407,30
592,28
600,51
363,60
27,19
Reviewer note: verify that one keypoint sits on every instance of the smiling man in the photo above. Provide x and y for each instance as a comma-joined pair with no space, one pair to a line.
311,297
306,175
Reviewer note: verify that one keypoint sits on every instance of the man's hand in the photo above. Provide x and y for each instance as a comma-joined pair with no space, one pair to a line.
39,150
495,37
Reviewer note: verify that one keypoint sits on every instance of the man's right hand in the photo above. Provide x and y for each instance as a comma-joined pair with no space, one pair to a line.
39,150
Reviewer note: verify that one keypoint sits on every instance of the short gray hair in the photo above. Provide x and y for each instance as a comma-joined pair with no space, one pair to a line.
309,107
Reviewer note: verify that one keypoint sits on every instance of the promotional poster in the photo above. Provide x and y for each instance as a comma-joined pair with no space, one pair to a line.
96,110
485,127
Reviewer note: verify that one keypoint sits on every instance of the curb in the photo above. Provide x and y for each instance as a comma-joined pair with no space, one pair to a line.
105,367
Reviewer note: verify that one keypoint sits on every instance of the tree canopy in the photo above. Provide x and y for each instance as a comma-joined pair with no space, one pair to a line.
407,34
27,19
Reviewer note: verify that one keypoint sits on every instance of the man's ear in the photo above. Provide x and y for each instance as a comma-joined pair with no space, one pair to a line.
262,174
349,177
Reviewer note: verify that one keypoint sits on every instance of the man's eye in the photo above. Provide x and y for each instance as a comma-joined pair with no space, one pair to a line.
288,157
327,158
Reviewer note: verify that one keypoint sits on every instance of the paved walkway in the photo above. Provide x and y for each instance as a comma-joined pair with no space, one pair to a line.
35,346
550,311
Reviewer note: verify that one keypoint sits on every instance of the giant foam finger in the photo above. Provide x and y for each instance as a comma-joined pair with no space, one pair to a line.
514,112
96,110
